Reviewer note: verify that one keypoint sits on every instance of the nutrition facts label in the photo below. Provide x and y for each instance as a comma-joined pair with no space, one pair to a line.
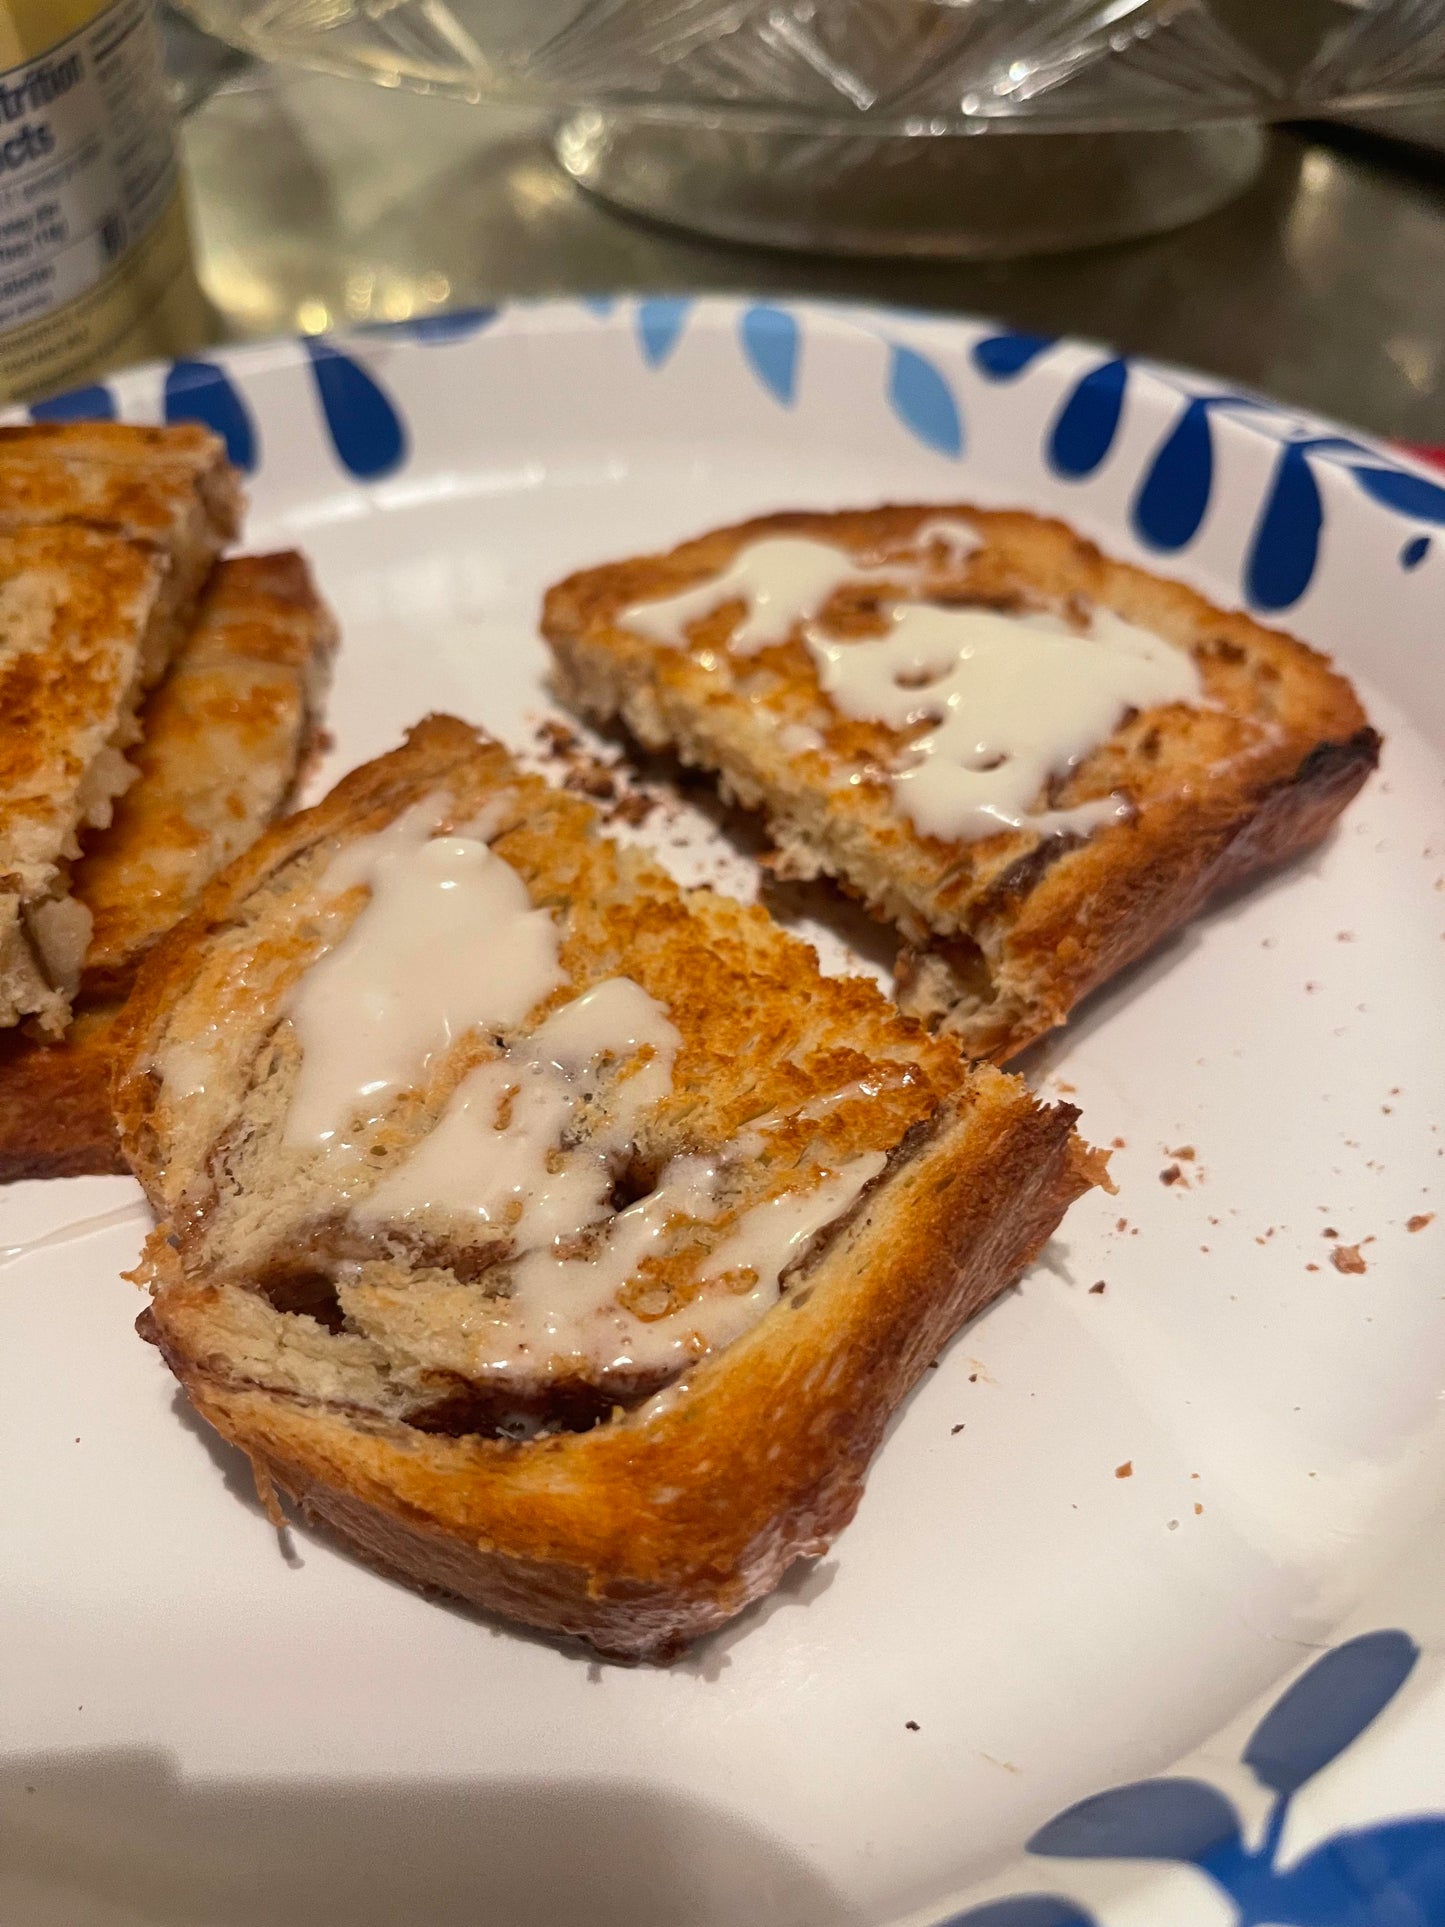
86,161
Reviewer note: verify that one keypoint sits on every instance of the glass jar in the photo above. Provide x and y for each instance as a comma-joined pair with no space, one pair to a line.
95,257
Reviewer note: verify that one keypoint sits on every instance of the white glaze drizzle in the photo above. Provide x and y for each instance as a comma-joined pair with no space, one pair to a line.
71,1233
754,1135
801,739
783,579
514,1175
779,579
188,1065
449,942
1009,701
766,1240
566,1311
1012,701
959,539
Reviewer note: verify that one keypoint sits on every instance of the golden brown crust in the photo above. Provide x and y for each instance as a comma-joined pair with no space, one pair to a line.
102,441
55,1114
225,736
106,535
223,739
75,611
170,488
1074,936
75,605
646,1531
1019,926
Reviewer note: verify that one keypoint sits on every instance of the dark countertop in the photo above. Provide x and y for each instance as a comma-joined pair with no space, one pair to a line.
323,202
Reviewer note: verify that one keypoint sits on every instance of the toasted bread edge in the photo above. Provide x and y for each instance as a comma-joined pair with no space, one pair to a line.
645,1534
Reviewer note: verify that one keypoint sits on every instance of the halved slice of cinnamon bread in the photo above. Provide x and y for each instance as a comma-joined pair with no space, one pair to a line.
107,532
225,737
560,1238
77,614
1034,761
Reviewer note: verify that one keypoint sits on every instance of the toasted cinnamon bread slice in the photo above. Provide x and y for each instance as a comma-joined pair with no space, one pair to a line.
76,610
107,533
1248,750
225,737
590,1309
169,487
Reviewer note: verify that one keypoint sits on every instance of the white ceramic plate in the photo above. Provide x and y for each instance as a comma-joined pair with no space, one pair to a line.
202,1729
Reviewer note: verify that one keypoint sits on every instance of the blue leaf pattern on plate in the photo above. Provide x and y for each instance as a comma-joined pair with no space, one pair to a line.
923,400
1174,494
1388,1875
1002,357
1023,1910
365,429
1284,550
1185,1820
1089,420
659,327
1174,491
1398,489
771,342
1327,1708
199,391
1171,499
458,324
1170,502
93,404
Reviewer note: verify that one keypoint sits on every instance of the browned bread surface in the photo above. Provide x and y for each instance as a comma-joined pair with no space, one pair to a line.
1002,935
225,736
640,1521
107,533
223,739
75,609
170,487
55,1113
